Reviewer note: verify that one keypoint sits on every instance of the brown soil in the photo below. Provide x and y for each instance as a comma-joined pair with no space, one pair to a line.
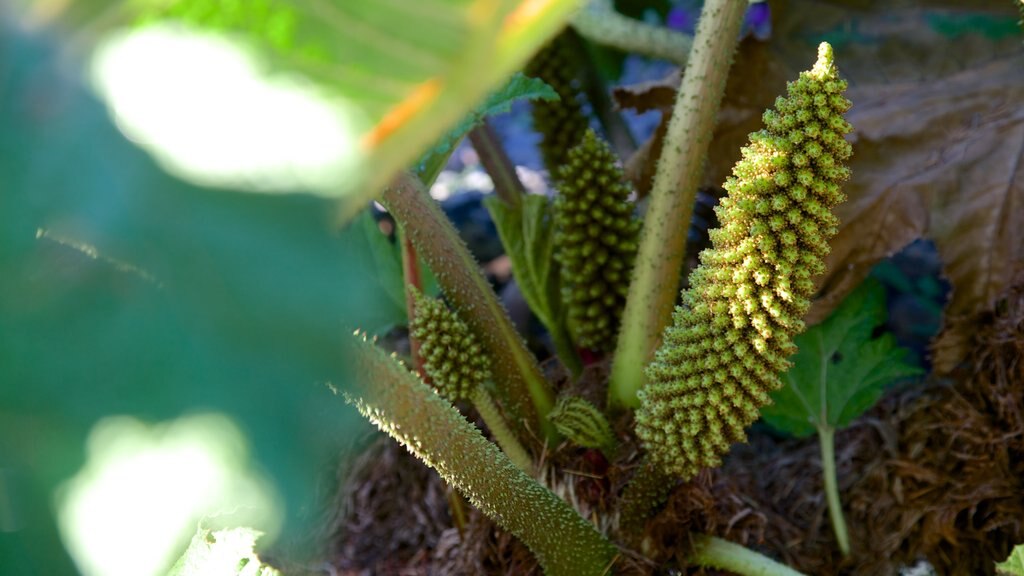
933,473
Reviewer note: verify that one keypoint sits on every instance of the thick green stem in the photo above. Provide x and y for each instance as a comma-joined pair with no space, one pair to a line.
646,492
499,429
600,23
400,404
497,164
826,438
652,294
714,552
517,375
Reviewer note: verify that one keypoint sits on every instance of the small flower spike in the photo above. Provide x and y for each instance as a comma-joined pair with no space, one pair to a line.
595,241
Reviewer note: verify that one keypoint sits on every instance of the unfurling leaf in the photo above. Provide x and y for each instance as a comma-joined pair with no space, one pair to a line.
839,370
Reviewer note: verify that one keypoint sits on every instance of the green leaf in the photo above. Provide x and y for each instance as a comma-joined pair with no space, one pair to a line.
1014,564
407,71
528,235
529,240
839,370
228,552
381,257
519,87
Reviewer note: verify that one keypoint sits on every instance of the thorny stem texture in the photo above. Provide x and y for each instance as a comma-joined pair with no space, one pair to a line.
655,284
517,375
826,438
483,403
497,164
394,399
712,552
600,23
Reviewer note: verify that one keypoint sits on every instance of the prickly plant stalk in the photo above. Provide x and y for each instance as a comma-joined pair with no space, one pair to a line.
399,403
561,123
596,241
732,334
581,422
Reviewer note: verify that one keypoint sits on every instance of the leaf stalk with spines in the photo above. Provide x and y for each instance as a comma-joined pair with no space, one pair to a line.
595,241
600,23
655,283
400,404
517,376
733,333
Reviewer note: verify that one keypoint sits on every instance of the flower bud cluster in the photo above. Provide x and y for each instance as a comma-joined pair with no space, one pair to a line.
595,241
733,333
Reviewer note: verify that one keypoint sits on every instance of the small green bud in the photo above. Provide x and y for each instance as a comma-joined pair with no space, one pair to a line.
582,423
450,352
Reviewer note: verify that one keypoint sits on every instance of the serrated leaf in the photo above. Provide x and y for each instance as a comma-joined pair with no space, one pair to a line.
1014,564
519,87
839,370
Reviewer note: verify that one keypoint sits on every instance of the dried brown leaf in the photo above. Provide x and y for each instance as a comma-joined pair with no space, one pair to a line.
937,145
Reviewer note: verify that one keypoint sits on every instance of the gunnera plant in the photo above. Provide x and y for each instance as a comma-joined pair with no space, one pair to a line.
733,332
459,369
561,123
595,241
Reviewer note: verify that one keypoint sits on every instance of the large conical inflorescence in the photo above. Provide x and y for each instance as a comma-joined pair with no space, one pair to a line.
733,332
452,357
561,123
595,241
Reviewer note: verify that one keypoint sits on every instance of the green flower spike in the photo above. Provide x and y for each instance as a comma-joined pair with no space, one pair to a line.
459,368
732,334
595,241
561,123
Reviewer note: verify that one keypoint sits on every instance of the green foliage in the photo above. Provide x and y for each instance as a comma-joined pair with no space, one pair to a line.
527,233
227,552
382,258
839,370
401,72
732,334
595,240
452,357
147,296
583,424
562,123
1014,564
519,87
429,427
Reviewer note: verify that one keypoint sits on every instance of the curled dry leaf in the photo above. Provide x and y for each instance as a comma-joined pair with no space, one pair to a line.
942,160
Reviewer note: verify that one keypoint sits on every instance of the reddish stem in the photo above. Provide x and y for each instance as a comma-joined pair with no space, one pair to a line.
413,280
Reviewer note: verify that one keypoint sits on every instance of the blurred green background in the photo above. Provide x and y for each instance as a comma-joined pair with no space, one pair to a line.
124,291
